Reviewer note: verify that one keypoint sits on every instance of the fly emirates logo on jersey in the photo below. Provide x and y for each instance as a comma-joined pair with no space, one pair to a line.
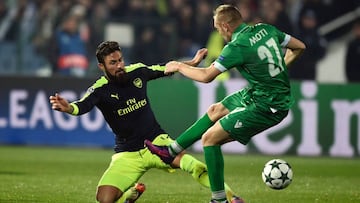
132,105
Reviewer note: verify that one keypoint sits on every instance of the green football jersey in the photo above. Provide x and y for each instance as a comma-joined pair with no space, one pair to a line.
256,51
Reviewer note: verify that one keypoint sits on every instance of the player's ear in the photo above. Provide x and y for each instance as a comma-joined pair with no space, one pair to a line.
226,27
101,66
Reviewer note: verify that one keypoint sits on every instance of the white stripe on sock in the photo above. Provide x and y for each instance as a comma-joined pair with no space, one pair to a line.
175,149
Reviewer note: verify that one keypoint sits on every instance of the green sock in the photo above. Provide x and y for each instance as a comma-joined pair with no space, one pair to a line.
215,163
194,132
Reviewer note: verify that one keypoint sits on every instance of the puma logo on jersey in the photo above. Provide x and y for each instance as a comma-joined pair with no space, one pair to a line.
115,96
238,124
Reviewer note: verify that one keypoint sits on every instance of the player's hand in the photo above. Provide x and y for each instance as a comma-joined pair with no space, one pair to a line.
60,104
200,55
172,67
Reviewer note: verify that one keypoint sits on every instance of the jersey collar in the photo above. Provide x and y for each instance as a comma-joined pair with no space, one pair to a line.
239,29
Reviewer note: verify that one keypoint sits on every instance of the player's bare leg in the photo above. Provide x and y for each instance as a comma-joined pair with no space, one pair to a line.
111,194
108,194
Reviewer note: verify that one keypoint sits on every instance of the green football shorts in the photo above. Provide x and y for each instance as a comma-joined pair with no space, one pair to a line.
247,118
126,168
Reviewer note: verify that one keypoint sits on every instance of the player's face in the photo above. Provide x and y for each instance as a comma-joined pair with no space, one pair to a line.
114,66
223,29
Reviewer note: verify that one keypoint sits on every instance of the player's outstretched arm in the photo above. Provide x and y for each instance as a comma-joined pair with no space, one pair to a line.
200,74
60,104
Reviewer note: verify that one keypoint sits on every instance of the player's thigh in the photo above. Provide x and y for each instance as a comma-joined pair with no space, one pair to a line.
245,122
124,171
215,135
236,100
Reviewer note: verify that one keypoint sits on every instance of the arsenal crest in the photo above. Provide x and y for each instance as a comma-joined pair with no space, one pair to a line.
137,82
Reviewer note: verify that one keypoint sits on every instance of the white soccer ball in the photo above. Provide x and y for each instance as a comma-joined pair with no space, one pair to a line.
277,174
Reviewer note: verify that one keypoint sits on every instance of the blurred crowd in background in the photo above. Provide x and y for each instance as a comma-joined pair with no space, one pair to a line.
59,37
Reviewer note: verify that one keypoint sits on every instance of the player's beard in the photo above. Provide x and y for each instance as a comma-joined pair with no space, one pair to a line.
119,76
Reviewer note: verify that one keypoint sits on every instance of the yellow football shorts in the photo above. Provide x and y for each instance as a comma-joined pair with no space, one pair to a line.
126,168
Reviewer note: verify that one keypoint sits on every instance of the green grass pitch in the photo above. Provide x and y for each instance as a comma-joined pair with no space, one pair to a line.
70,175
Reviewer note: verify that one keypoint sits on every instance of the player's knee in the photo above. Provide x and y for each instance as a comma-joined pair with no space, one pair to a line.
208,139
107,194
212,110
216,111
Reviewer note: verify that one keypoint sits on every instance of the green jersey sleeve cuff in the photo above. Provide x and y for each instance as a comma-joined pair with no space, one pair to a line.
219,66
286,40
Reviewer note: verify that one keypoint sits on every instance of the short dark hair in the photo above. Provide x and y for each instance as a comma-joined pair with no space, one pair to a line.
105,48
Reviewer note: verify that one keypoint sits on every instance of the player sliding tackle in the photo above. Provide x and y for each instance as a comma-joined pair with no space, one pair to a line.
256,52
121,96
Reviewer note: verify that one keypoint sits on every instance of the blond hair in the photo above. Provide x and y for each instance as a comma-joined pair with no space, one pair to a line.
228,14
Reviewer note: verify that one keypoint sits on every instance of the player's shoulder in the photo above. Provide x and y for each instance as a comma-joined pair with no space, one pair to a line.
139,66
100,82
135,66
269,28
248,31
264,26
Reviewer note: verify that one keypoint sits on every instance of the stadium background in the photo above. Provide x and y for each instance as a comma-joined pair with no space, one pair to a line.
323,121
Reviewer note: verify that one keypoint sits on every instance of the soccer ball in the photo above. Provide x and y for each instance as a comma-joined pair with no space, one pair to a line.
277,174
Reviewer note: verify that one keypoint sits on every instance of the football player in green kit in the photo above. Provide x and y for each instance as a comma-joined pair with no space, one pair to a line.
256,51
121,96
